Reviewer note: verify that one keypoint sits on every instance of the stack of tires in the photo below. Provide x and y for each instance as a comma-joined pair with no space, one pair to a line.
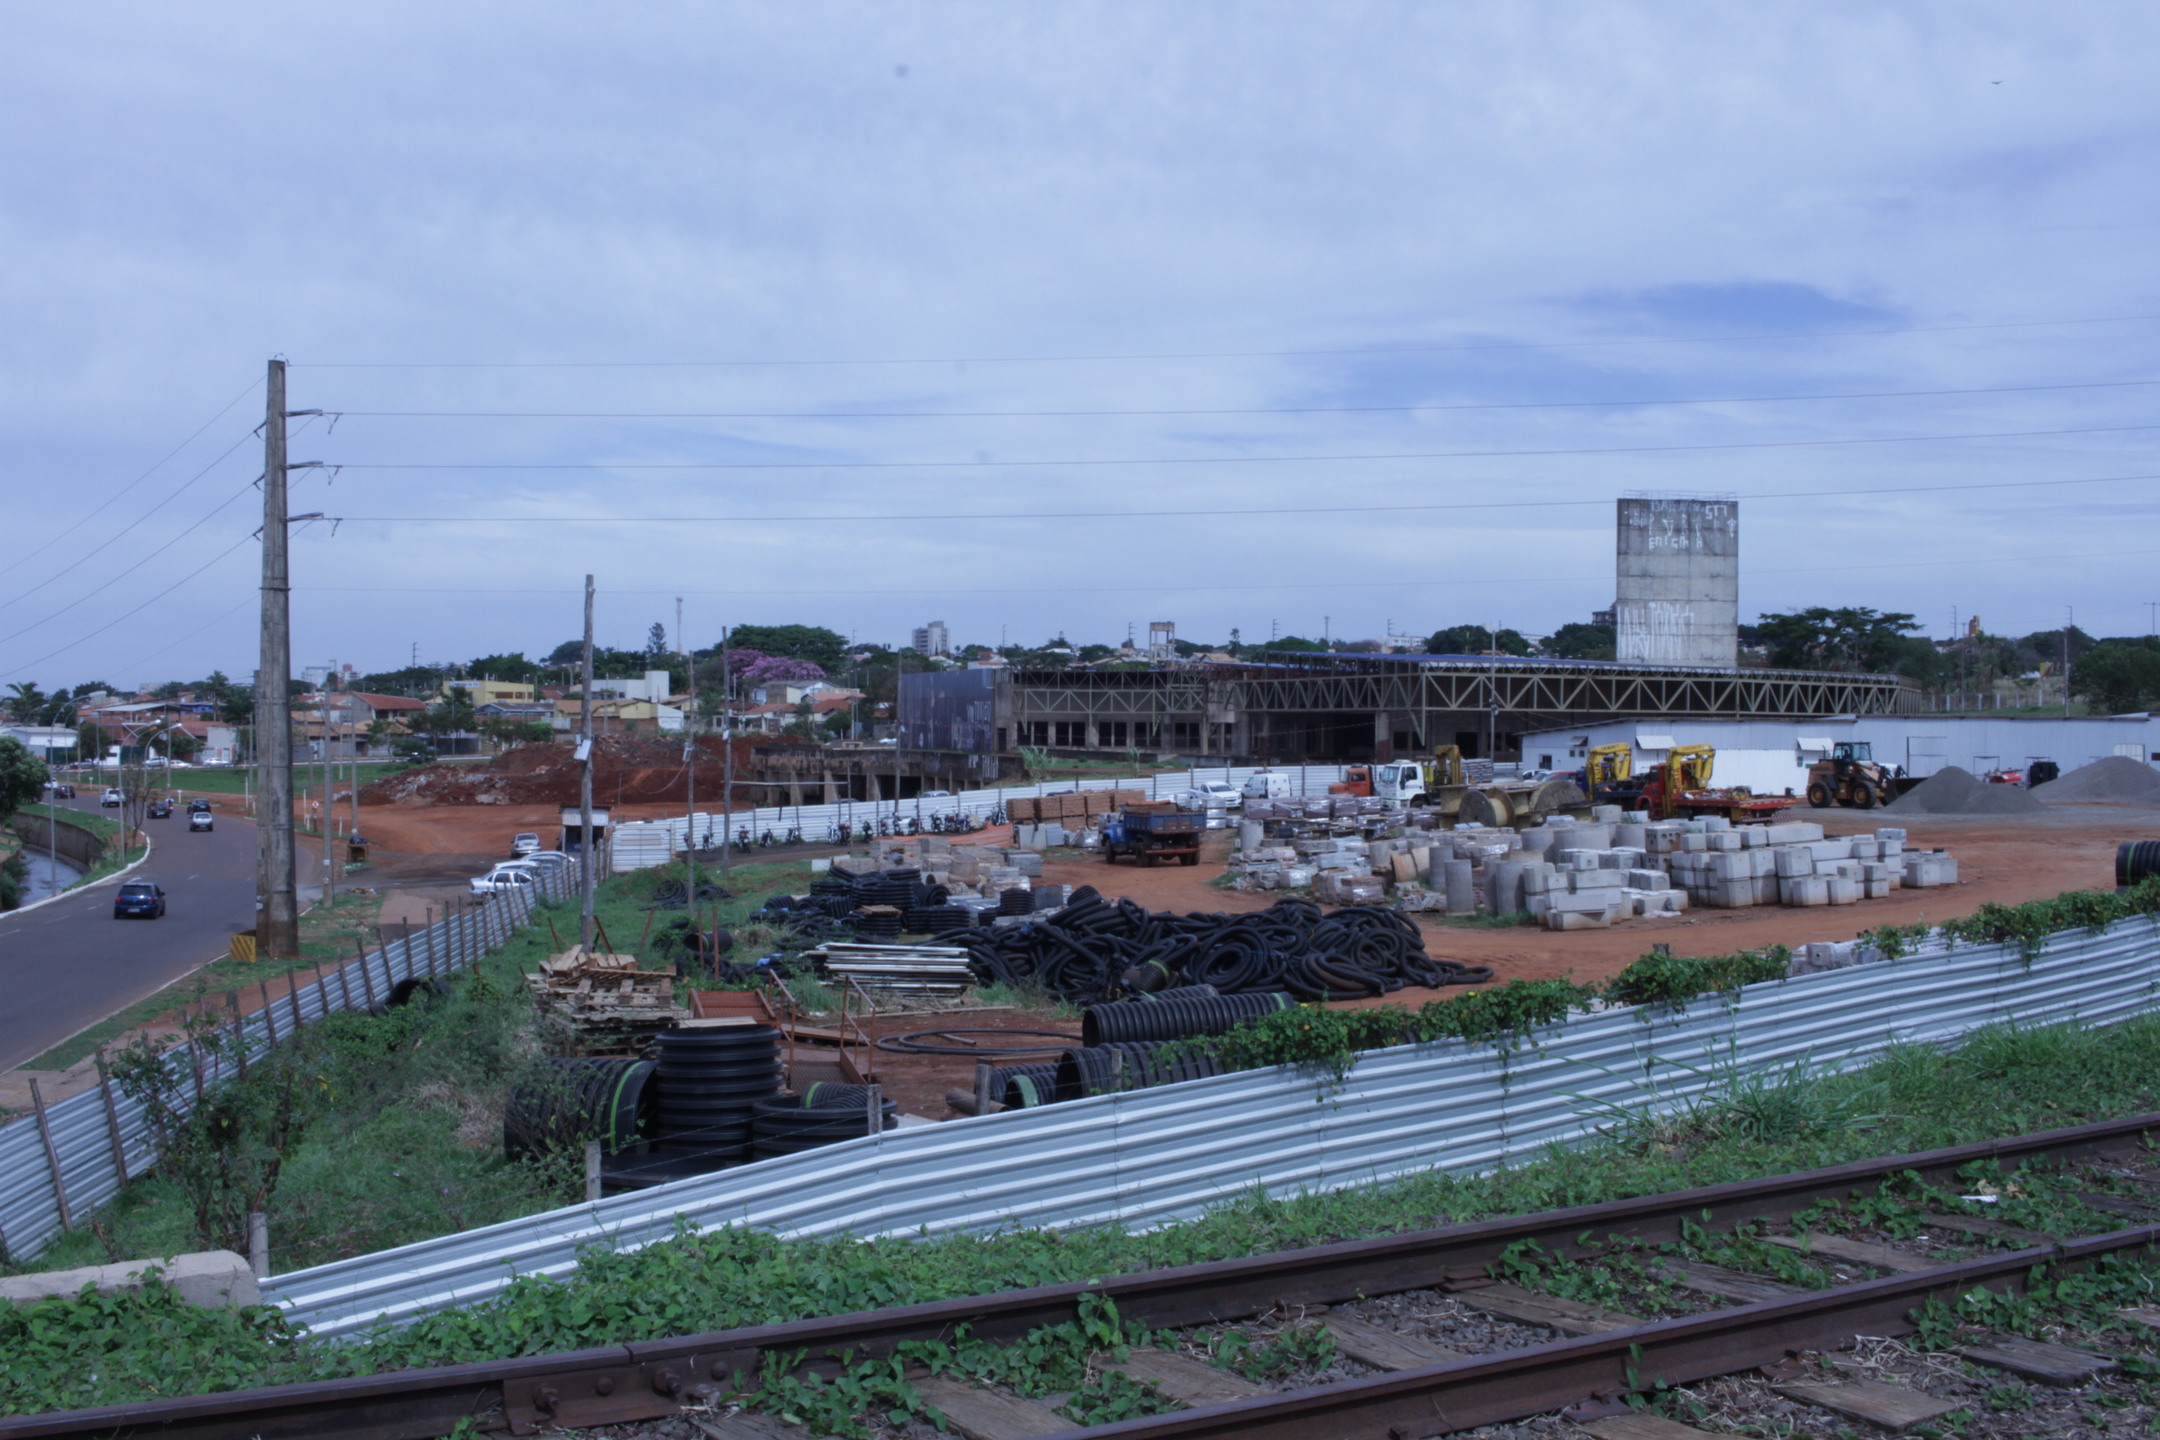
709,1084
824,1114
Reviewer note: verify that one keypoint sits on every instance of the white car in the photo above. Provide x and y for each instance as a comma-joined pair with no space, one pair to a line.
111,798
504,878
525,844
1217,795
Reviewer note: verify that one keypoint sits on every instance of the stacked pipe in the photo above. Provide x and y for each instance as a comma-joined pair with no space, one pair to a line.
824,1114
560,1104
1094,949
2136,860
1023,1087
710,1082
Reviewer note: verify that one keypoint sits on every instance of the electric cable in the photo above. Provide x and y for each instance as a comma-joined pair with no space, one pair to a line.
1222,410
62,650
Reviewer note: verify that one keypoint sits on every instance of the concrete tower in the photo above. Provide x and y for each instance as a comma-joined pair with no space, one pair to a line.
1678,592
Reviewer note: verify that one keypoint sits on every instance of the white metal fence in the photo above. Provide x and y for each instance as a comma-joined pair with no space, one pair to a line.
60,1164
1154,1156
642,844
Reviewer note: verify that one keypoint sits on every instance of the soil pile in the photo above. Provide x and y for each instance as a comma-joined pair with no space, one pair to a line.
1955,791
2117,780
625,767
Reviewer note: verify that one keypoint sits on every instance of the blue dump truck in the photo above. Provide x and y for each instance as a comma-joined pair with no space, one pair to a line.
1154,833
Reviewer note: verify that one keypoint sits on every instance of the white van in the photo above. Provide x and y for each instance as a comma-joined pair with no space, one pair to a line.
1267,785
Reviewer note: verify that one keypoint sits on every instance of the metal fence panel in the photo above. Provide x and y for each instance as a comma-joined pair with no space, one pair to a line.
1155,1156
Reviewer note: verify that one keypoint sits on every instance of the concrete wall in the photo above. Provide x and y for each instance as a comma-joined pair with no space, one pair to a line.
1771,755
1677,592
77,845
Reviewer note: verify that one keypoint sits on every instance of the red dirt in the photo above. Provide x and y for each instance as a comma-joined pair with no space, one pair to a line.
625,768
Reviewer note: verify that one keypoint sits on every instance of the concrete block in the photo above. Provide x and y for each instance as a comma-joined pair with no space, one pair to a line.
1762,862
1539,906
1629,835
1578,919
1537,880
1605,814
1877,889
1892,849
1822,955
1752,837
1660,840
1461,889
1844,889
1647,880
1866,847
1793,861
1504,887
1715,824
1724,840
1026,862
1804,890
1732,894
1538,839
1731,865
209,1278
1887,833
1583,882
1766,889
1582,901
1694,841
1793,832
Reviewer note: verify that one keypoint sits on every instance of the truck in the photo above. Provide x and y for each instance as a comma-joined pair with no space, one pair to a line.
1152,833
1439,782
1678,788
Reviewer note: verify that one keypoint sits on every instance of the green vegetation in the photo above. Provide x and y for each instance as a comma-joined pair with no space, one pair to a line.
2000,1082
107,829
361,1133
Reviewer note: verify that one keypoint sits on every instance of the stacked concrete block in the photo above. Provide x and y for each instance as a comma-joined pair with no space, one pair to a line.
1825,955
1792,862
1461,887
1024,861
1804,890
1878,878
1927,869
1606,814
1644,879
1842,889
1631,835
1341,887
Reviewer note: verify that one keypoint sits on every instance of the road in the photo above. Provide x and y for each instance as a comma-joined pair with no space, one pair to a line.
67,965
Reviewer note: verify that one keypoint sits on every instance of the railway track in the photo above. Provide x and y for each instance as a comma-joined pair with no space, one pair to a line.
1733,1319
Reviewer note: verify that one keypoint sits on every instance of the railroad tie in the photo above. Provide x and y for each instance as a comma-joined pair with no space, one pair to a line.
1893,1407
1989,1229
749,1425
1385,1349
1726,1284
987,1415
2142,1314
1186,1380
1646,1427
2036,1360
1858,1252
1569,1317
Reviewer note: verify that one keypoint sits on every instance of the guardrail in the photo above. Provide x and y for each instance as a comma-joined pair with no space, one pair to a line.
1150,1157
641,844
66,1159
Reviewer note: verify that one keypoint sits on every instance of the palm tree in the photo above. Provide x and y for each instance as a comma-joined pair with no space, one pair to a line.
27,702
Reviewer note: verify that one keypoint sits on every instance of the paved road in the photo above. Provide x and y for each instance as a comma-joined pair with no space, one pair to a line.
67,965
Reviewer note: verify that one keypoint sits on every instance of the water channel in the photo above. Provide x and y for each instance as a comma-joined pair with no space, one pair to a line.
47,876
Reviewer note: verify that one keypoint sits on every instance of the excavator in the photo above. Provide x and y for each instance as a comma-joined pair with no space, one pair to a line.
1676,788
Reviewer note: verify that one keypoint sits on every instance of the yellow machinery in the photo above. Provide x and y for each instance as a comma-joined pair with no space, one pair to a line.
1608,765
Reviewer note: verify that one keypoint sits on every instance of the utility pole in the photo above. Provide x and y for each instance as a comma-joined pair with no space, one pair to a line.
2069,622
329,875
689,757
277,920
591,877
727,759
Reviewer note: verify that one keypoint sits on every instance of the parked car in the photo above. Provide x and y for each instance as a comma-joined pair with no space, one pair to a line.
525,844
110,799
1266,785
138,898
504,878
1212,795
201,820
161,810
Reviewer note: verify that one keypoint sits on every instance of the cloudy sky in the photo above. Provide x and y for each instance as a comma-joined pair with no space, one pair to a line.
1062,317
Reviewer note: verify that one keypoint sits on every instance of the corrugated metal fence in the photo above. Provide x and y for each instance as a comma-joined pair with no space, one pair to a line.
1154,1156
641,844
76,1157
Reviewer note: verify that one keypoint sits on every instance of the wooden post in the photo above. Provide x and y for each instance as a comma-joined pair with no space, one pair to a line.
344,985
112,1120
874,1103
292,994
239,1025
269,1014
592,1171
983,1096
52,1156
259,1244
367,981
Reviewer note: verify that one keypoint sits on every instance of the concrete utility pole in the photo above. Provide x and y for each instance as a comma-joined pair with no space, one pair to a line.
277,920
585,742
689,755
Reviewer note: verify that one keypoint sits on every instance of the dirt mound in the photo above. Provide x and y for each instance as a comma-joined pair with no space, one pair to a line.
2116,780
1955,791
625,767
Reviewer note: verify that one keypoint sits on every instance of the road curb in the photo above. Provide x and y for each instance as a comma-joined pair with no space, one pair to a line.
82,886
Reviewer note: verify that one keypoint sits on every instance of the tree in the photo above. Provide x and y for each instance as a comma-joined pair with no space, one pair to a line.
513,667
656,641
22,776
1476,640
1578,641
1841,638
27,702
1293,642
508,732
826,648
2120,675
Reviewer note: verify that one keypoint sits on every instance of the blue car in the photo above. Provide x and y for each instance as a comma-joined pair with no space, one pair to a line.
138,898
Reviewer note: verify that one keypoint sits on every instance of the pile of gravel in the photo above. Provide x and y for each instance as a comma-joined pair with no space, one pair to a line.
2116,780
1954,791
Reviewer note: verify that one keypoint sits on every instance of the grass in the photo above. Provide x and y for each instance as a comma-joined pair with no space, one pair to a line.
105,828
326,935
402,1132
1999,1082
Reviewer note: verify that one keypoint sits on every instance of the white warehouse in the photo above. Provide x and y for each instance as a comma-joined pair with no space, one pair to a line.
1772,756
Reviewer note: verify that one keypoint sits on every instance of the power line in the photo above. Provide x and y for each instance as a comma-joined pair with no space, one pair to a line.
1241,510
116,497
62,650
1238,459
1246,410
1353,353
182,640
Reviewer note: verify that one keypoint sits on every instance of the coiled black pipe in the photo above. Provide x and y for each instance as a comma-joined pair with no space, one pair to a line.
709,1084
564,1103
1023,1087
1103,1069
2136,860
1127,1021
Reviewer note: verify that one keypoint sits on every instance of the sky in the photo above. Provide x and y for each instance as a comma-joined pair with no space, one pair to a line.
1061,318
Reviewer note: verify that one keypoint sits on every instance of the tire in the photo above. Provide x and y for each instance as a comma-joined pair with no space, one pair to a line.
1865,797
1192,859
1818,795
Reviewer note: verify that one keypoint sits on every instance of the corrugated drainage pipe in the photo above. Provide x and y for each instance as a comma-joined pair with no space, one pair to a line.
1162,1018
1103,1069
564,1103
1023,1087
2136,860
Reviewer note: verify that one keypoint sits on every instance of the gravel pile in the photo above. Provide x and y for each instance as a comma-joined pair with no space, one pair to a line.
2116,780
1955,791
